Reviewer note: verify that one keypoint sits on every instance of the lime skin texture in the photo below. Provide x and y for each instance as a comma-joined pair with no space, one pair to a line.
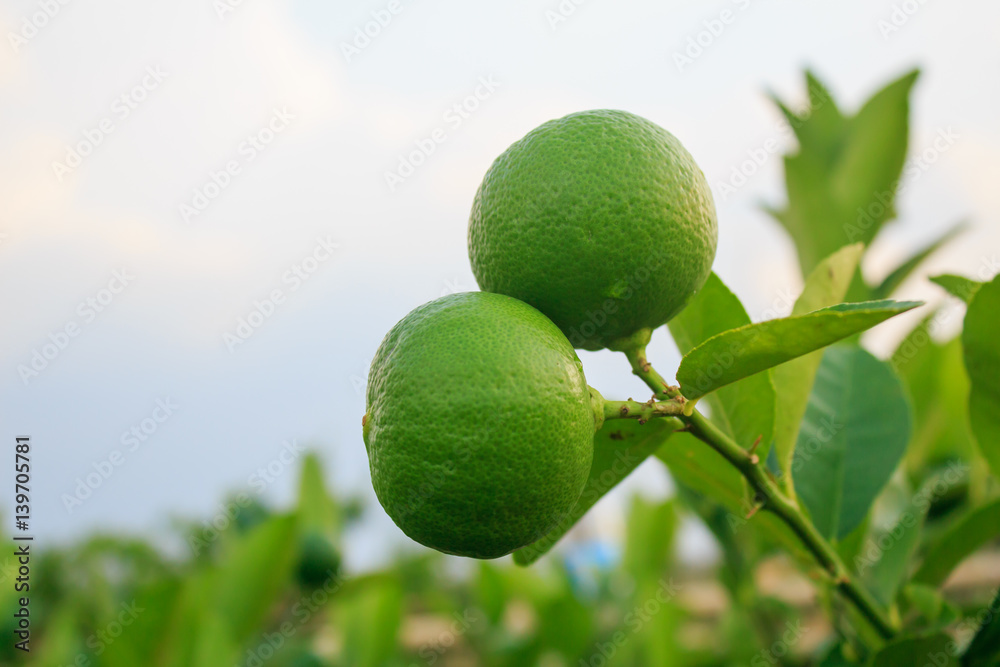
479,425
601,220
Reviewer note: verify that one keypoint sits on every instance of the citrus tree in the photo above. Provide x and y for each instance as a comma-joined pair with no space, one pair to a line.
597,228
799,450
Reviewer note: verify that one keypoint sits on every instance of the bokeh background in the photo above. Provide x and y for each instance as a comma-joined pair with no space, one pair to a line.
119,117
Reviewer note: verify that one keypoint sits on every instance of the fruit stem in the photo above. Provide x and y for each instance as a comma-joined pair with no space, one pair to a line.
642,411
642,369
771,498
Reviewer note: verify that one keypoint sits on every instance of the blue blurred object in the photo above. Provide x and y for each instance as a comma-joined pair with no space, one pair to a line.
589,564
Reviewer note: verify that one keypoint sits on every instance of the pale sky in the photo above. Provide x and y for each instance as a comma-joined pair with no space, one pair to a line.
168,169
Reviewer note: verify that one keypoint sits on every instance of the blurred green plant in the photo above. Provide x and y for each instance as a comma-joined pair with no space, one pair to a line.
894,462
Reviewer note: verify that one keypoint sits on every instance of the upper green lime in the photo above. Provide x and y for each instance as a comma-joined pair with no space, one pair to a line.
601,220
479,426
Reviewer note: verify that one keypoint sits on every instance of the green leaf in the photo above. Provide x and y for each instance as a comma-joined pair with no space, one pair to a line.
793,381
853,435
63,643
903,271
742,352
566,625
821,127
884,562
935,613
490,593
981,342
970,533
872,159
619,447
649,537
984,651
370,621
834,657
213,646
930,649
150,629
698,468
957,286
253,573
939,388
744,411
842,182
317,511
701,468
184,627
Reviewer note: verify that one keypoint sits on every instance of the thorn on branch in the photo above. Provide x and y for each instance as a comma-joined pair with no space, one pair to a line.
753,510
756,442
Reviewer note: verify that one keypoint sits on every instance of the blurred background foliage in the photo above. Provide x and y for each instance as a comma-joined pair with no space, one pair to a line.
257,585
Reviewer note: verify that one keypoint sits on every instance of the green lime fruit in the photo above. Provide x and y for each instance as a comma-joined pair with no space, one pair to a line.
319,560
479,424
601,220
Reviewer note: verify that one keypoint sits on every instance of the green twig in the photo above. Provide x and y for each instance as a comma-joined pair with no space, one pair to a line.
642,411
771,497
645,372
